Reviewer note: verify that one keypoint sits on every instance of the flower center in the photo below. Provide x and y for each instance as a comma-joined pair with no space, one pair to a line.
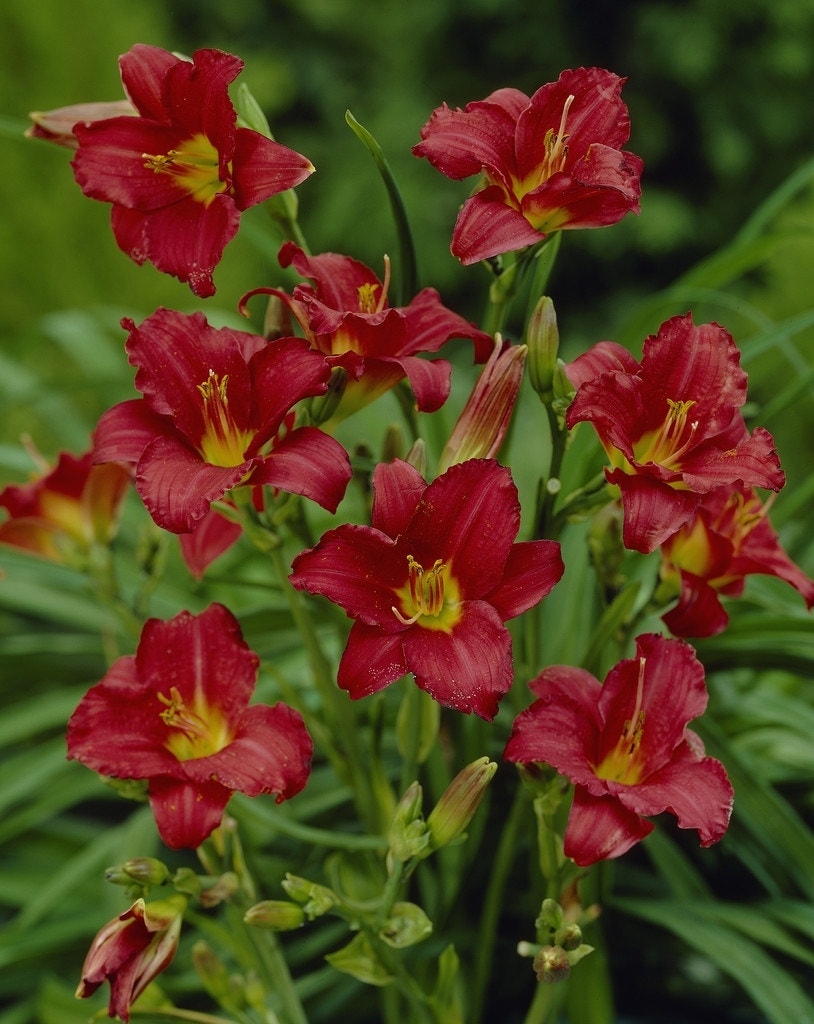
673,438
622,763
429,594
194,165
190,734
556,146
368,303
222,443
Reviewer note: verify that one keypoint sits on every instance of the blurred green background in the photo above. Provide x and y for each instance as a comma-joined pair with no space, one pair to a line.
721,95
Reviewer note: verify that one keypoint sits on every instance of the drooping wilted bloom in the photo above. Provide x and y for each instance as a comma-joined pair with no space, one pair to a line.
181,173
66,510
131,951
216,415
345,314
729,538
177,714
626,747
431,582
672,425
550,162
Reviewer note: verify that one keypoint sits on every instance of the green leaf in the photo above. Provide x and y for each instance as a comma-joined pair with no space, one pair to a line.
773,990
407,263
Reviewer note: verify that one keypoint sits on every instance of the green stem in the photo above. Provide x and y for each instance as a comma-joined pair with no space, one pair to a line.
547,523
487,932
548,998
346,756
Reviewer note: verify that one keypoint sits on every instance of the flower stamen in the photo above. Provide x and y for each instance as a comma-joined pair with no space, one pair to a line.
426,589
666,445
222,444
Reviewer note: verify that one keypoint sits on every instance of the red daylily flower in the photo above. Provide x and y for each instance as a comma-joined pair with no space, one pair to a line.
66,510
626,747
180,174
729,538
176,713
549,163
431,582
215,416
131,951
211,536
671,425
346,316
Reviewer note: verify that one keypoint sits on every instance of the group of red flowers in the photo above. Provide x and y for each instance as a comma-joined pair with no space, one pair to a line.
229,418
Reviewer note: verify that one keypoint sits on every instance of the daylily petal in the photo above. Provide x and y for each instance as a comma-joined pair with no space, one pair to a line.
196,95
532,570
469,516
469,669
210,537
185,239
142,70
664,684
429,325
284,372
754,463
178,487
562,727
487,227
115,731
203,657
695,789
683,358
175,352
429,381
307,462
371,661
698,613
600,828
263,168
653,510
356,567
337,278
459,143
186,813
397,490
270,753
603,357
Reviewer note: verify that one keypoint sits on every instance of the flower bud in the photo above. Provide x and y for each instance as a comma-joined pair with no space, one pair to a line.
57,125
279,915
550,917
458,803
543,340
569,936
359,960
141,870
483,423
408,836
315,899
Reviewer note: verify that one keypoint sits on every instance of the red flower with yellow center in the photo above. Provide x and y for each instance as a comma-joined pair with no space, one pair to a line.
431,582
549,162
176,713
181,172
216,415
626,747
66,510
345,314
672,425
729,538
